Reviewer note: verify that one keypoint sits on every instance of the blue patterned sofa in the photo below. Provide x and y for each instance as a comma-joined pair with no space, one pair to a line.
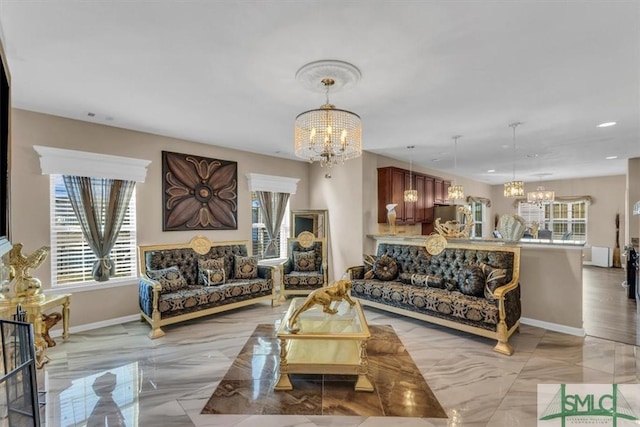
470,287
184,281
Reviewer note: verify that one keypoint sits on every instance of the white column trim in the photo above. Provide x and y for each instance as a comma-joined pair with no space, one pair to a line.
274,184
58,161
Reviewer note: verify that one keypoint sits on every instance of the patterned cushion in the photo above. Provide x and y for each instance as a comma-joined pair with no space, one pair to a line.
471,280
245,267
304,261
385,268
169,278
368,261
427,280
212,267
494,278
212,277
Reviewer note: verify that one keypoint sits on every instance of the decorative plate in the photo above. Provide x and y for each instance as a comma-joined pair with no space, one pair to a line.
306,239
435,244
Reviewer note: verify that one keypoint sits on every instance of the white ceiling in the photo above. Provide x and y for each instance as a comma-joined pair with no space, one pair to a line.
223,73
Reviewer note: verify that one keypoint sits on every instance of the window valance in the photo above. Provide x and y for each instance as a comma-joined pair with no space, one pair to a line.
59,161
566,199
483,200
271,183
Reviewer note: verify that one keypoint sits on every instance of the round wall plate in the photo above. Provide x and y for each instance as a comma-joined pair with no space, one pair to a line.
435,244
344,74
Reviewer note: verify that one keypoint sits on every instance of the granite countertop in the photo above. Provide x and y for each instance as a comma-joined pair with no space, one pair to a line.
521,242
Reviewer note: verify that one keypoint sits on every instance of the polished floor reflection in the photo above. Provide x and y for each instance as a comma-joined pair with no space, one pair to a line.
399,388
168,381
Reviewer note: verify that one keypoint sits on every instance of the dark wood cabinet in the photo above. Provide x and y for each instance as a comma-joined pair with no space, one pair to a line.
392,182
421,203
441,190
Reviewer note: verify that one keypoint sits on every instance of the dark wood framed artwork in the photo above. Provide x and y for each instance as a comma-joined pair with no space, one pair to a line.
199,193
5,145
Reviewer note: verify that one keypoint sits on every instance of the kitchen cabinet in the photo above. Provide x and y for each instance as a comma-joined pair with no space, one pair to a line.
441,190
392,182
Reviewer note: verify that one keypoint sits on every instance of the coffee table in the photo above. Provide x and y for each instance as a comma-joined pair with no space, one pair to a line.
325,344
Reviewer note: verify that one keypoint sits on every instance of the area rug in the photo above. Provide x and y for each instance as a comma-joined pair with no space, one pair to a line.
400,389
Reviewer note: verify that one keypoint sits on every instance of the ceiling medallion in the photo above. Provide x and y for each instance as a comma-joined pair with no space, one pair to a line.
327,134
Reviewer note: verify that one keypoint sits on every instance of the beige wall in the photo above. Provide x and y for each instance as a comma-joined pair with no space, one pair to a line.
30,194
341,195
633,195
551,287
608,195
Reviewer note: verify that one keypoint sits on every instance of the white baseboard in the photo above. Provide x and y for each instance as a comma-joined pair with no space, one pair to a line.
95,325
553,327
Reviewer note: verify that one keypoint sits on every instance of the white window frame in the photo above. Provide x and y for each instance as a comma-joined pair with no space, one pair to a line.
483,214
63,221
532,212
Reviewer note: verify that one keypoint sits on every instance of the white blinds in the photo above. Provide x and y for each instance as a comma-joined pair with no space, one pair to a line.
71,257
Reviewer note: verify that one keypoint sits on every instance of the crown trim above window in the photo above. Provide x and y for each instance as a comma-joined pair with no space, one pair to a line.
59,161
272,183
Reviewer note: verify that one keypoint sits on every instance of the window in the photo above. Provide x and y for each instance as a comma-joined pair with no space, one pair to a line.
477,213
259,235
566,220
71,258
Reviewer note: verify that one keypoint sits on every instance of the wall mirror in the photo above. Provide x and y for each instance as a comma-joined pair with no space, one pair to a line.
314,221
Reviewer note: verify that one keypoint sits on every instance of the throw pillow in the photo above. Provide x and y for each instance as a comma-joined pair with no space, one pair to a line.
427,280
169,278
246,267
494,278
385,268
210,264
304,261
212,277
368,261
471,280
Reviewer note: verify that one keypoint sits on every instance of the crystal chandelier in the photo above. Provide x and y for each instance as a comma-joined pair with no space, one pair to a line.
514,188
456,191
541,196
410,195
327,134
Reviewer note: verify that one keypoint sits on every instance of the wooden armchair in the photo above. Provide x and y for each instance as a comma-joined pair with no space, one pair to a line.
306,266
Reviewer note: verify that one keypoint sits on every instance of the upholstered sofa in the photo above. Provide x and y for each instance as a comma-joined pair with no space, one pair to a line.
469,287
306,266
183,281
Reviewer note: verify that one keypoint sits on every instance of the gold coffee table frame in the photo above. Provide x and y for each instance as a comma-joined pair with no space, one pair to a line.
325,344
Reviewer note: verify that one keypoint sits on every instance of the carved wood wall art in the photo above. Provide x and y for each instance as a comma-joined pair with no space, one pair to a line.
199,193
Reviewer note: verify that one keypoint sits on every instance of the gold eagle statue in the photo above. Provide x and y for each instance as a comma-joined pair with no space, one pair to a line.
26,286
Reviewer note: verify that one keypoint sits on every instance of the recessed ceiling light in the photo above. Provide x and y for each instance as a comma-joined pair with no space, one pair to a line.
606,124
611,157
435,160
491,170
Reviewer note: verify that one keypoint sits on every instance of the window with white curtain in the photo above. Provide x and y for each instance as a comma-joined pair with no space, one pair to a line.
71,257
566,220
259,236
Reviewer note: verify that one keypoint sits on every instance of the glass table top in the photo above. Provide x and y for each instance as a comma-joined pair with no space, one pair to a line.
348,323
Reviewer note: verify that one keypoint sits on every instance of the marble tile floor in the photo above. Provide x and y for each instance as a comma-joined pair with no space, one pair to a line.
399,387
168,381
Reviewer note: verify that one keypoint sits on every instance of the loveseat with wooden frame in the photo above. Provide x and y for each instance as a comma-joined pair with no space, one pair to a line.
162,305
430,287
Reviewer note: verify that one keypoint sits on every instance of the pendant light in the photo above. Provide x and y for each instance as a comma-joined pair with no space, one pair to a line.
410,195
513,188
456,191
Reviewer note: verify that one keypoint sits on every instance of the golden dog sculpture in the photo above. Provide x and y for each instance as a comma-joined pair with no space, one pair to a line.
337,291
